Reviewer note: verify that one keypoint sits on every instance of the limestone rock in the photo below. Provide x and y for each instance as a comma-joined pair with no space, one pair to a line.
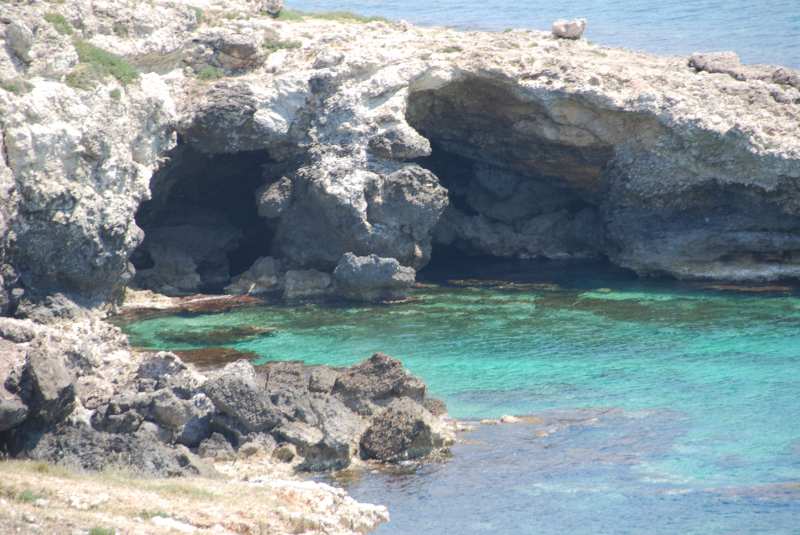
20,39
272,7
404,430
83,447
569,29
372,278
216,447
273,199
46,384
265,275
240,395
12,412
306,284
376,381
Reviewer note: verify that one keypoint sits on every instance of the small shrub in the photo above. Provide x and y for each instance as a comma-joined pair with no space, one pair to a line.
120,29
346,16
115,93
272,46
451,49
27,496
147,515
58,22
199,15
290,15
101,531
18,86
83,76
102,63
210,73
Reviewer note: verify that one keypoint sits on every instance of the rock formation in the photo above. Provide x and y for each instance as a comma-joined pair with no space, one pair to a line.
73,392
305,140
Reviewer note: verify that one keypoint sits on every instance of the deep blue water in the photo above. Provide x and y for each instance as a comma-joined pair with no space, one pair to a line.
760,31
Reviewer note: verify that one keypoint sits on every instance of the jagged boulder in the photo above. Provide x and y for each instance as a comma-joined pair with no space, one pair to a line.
46,385
376,382
372,278
82,446
569,29
306,284
240,397
403,430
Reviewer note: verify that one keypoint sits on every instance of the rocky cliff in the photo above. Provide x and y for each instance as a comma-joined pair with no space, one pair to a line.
189,140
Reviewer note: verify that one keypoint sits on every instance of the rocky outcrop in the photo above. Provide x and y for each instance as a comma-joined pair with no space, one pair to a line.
359,137
73,392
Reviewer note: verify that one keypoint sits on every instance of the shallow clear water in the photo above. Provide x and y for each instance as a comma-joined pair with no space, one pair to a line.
761,31
667,408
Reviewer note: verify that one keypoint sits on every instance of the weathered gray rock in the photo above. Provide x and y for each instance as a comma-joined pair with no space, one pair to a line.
84,447
273,199
569,29
375,382
239,394
306,284
265,275
46,386
272,7
19,38
216,447
12,411
404,430
372,278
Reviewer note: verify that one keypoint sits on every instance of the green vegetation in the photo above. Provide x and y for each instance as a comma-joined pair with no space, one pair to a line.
60,23
147,515
210,73
120,29
272,46
199,15
451,49
95,64
290,15
101,531
115,93
18,86
340,16
27,496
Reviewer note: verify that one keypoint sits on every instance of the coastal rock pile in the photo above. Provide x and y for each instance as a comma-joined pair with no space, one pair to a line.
92,403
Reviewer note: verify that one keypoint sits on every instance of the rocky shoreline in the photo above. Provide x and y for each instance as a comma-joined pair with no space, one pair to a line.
73,393
183,147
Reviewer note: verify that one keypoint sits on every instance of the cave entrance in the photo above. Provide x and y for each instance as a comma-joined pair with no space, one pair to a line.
524,179
202,225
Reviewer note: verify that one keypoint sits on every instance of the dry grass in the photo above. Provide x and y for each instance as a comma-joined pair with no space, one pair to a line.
52,499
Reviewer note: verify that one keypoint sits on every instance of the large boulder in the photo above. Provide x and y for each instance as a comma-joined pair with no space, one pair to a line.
366,387
265,275
372,278
569,29
404,430
240,397
84,447
306,284
46,385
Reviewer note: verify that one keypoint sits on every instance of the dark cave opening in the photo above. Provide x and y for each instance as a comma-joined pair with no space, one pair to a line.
202,225
521,185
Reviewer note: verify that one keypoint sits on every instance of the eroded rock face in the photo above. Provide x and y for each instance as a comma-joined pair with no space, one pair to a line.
579,151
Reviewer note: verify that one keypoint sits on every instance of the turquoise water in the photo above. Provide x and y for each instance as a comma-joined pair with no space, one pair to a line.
762,31
660,401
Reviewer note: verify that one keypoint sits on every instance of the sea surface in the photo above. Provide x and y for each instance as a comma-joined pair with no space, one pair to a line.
662,407
760,31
